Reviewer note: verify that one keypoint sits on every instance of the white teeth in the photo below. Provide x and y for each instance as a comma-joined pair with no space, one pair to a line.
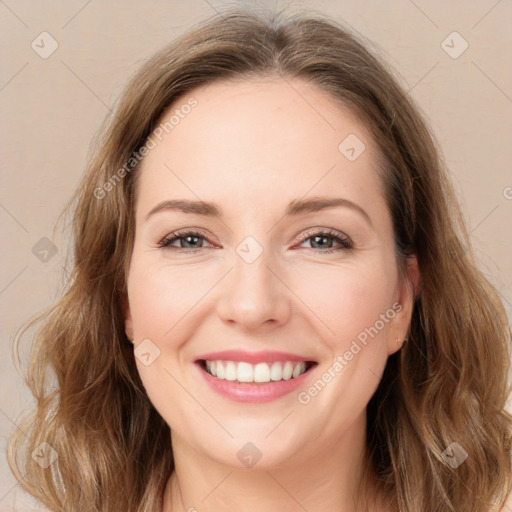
287,370
220,370
298,370
261,372
231,373
276,371
245,372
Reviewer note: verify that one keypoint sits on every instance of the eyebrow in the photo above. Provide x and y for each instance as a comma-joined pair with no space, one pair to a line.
294,208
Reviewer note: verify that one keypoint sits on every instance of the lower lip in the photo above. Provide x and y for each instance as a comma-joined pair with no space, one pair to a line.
253,392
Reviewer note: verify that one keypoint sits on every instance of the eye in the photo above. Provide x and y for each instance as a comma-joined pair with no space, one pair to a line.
324,239
188,240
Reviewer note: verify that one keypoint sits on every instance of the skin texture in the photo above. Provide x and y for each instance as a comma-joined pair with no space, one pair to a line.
251,147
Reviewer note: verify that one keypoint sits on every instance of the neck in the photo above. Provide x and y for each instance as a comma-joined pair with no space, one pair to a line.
313,479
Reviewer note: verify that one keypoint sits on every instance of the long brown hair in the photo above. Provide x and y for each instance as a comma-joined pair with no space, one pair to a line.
447,384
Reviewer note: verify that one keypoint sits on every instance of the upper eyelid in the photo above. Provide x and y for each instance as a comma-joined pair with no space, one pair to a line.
324,231
309,232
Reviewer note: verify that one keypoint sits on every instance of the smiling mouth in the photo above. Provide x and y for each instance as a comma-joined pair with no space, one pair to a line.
260,373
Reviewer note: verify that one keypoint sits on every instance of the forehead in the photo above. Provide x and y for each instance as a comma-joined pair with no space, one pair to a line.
262,141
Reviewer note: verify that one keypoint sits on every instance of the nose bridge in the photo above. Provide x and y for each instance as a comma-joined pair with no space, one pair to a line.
254,295
252,266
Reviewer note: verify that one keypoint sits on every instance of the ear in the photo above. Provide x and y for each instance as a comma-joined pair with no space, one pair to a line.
408,289
128,322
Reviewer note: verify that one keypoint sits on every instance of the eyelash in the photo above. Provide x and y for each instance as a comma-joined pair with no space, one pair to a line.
343,240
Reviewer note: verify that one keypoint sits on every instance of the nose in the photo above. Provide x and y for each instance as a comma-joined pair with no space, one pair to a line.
254,295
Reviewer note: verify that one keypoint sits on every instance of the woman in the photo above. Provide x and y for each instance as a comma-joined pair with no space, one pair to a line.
211,353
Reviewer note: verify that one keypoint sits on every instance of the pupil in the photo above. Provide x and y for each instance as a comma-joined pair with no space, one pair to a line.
317,238
188,238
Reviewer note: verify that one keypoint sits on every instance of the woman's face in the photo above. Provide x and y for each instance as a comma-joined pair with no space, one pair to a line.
271,275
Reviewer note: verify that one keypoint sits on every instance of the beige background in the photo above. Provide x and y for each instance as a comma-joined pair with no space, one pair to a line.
52,107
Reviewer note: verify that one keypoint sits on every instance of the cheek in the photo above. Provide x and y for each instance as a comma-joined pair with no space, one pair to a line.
163,305
347,300
163,299
355,307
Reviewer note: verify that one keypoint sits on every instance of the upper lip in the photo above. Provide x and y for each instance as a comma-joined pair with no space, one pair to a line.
251,357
